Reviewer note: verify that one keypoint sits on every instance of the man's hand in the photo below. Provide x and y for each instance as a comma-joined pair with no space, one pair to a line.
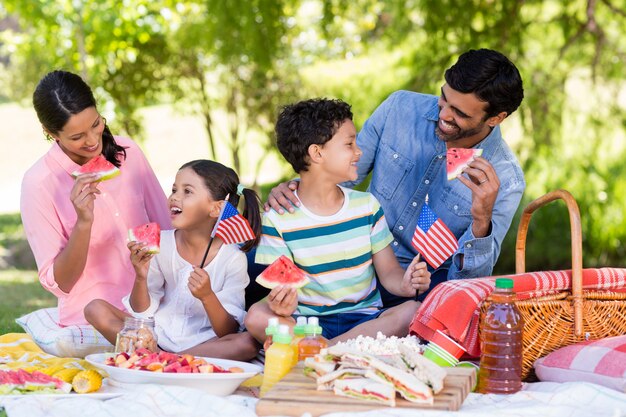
283,300
282,198
416,278
484,183
200,284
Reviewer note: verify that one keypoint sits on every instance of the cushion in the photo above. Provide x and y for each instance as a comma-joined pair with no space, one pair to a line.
601,361
76,341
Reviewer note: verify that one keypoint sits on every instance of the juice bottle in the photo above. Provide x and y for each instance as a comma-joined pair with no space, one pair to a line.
270,330
298,334
501,343
278,359
313,342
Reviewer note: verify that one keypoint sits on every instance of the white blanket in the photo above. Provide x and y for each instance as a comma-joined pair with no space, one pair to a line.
542,399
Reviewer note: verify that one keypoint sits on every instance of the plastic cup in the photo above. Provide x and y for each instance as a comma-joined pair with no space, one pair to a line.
441,352
438,356
466,364
448,344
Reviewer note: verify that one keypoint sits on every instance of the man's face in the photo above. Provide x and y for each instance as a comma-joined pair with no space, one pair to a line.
462,120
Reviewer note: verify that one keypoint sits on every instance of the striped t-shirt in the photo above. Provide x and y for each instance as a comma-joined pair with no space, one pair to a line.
336,251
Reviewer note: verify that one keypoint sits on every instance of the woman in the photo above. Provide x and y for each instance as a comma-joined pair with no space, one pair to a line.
77,227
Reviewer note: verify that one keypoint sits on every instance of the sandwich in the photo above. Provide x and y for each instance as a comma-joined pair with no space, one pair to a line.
423,368
366,389
318,366
325,382
407,384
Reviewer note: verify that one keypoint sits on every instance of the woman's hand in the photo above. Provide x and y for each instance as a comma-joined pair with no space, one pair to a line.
83,195
140,258
200,284
283,300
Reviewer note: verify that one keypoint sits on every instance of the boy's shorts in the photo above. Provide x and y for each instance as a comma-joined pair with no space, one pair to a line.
334,325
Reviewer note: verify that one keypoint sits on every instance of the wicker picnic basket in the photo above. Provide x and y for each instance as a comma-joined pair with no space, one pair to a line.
562,319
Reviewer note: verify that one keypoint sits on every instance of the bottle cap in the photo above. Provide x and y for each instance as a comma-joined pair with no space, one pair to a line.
272,326
301,321
300,328
282,335
314,321
504,283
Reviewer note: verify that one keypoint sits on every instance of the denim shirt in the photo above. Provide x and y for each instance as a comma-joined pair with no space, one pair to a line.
408,161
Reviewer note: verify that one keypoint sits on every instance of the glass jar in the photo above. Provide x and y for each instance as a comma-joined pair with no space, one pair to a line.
137,333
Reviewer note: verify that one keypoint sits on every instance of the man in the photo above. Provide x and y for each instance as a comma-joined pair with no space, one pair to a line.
404,146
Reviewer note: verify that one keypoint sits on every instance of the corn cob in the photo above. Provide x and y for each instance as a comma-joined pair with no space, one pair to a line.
67,375
51,370
87,381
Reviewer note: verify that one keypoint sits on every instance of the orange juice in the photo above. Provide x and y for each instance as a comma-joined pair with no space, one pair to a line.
298,334
313,341
278,359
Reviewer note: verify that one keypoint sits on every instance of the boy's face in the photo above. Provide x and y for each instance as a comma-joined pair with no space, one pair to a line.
341,153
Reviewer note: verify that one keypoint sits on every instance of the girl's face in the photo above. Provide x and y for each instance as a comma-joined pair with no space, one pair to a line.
190,203
81,137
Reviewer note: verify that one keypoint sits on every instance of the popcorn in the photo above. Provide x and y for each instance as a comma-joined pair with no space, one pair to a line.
382,345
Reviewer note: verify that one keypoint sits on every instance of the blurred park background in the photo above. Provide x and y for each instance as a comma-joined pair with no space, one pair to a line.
205,78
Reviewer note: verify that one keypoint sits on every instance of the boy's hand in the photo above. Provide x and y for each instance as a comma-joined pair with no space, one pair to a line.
200,284
416,278
282,198
283,300
140,258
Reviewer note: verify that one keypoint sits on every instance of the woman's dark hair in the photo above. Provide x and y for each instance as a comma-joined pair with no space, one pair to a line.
60,95
491,76
306,123
221,180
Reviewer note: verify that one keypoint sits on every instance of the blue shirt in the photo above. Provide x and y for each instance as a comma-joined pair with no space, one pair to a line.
408,161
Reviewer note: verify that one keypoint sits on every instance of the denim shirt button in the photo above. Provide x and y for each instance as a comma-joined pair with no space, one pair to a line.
414,204
395,243
469,245
401,227
440,156
395,156
427,182
456,207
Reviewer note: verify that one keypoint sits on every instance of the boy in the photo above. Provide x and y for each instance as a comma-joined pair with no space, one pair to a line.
337,235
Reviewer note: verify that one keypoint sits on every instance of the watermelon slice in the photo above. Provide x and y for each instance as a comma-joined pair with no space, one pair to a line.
282,272
149,233
99,165
457,159
20,381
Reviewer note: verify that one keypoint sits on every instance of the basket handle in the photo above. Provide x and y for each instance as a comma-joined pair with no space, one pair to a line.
577,247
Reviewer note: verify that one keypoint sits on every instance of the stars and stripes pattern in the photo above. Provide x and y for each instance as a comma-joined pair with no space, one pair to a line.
432,238
231,226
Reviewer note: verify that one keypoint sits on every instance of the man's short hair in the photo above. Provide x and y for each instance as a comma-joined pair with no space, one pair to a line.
491,76
306,123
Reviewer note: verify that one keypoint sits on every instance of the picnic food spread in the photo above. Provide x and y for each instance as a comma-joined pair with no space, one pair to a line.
20,381
282,272
98,165
457,159
146,360
149,233
137,333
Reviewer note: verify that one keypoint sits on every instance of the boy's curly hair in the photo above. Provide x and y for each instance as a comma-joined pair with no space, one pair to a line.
306,123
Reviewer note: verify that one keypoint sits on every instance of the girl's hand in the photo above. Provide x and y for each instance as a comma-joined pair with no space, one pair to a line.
200,283
83,195
416,278
283,300
140,258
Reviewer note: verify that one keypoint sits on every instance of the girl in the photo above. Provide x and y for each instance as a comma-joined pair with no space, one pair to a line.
78,228
196,310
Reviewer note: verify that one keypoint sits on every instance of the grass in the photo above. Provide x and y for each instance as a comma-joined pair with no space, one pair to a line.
21,294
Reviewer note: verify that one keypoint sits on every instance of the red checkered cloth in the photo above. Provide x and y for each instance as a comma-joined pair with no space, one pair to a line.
454,306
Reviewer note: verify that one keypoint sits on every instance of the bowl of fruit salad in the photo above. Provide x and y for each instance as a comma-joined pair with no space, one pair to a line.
213,375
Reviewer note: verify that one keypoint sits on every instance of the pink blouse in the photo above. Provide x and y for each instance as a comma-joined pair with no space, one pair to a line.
132,198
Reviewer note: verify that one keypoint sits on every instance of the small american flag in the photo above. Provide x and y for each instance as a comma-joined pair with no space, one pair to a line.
432,238
231,226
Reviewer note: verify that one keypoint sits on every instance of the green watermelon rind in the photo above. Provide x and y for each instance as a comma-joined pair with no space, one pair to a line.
104,175
459,169
271,284
152,249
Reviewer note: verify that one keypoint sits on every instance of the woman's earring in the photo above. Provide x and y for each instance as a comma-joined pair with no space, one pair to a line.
104,119
47,135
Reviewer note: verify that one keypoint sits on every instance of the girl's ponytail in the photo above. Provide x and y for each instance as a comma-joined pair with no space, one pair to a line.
252,213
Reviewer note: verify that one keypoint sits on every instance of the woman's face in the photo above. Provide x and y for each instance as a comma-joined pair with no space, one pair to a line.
81,137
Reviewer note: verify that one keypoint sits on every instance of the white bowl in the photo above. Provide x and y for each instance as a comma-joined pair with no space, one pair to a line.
221,384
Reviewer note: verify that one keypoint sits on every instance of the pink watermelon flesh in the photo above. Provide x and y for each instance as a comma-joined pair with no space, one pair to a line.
149,233
282,272
23,381
99,165
457,159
